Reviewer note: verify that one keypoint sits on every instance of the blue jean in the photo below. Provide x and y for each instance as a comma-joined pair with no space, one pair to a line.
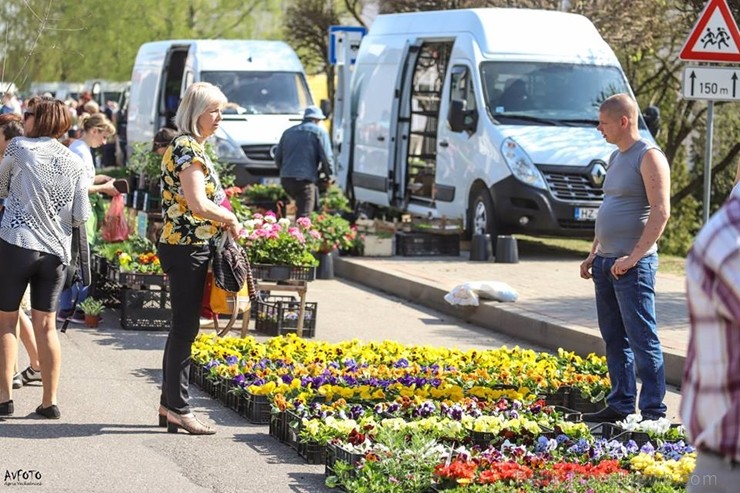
626,313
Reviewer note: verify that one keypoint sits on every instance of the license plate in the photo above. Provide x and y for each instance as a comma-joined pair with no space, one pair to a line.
270,180
586,213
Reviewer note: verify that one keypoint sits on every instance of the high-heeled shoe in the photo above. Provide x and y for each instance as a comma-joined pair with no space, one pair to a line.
162,416
187,422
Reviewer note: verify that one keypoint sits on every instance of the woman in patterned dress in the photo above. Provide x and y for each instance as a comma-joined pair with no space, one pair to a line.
45,191
193,221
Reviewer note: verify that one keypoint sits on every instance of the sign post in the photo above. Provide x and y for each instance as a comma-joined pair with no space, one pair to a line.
714,38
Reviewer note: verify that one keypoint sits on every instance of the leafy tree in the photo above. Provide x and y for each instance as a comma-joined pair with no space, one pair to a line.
69,40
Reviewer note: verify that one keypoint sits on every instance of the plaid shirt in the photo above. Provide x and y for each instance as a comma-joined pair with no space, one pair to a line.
710,407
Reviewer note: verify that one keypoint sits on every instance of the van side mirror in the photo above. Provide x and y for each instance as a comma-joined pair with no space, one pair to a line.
325,106
460,118
651,115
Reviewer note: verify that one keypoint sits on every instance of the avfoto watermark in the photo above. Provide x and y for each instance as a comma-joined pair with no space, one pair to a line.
22,477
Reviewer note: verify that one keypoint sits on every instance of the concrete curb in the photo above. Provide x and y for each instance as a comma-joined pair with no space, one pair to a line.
503,318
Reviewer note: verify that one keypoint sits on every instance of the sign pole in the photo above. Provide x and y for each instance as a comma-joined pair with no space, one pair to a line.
708,161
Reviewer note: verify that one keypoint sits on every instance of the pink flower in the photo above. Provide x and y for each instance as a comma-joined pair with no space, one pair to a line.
303,222
295,233
315,234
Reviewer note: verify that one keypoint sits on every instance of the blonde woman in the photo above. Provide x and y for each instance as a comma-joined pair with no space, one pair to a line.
193,222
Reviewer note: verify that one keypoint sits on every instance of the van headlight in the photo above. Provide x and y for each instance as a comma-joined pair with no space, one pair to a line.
520,165
226,150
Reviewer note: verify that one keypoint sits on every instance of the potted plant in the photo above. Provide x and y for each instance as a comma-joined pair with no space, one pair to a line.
266,197
334,201
275,245
92,309
335,234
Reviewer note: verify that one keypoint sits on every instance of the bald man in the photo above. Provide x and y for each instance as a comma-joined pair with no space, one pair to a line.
623,262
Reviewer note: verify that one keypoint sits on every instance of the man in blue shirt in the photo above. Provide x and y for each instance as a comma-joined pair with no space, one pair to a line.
303,153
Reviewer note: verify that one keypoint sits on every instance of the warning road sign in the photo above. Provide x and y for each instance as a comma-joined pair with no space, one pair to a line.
715,37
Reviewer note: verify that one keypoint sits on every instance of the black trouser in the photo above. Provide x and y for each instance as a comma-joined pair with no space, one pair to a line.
186,267
304,193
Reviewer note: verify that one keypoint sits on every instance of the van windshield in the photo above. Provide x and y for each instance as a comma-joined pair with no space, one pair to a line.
261,93
531,93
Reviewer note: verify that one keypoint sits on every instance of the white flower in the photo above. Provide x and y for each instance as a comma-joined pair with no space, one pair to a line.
284,222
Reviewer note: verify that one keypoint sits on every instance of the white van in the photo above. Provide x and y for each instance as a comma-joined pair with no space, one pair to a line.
486,115
263,80
103,91
60,90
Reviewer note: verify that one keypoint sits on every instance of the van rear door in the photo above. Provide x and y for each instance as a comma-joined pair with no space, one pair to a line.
171,85
374,173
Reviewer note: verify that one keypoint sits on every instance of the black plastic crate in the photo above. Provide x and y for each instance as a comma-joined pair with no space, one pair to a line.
196,374
281,317
270,298
312,452
294,426
335,453
99,264
256,408
560,397
583,405
427,244
106,291
267,272
137,280
143,309
279,426
569,414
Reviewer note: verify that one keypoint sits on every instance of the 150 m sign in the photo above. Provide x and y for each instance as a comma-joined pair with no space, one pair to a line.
711,83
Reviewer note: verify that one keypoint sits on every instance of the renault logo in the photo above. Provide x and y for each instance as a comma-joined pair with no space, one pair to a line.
273,150
597,174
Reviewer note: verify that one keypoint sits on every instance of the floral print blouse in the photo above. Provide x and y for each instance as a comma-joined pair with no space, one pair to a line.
181,226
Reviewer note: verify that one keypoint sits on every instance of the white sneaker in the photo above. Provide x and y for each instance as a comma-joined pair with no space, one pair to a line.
17,381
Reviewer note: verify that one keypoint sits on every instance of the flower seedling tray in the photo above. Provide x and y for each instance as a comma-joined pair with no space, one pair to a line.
580,404
196,374
569,414
335,453
281,318
283,272
145,309
610,431
294,425
312,452
560,397
256,408
279,426
137,280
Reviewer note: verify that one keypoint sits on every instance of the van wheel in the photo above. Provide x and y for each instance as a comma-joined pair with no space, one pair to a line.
481,218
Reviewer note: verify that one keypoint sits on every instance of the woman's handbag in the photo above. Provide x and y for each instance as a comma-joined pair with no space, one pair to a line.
231,273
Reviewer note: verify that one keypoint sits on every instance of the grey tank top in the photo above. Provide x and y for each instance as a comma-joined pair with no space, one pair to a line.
624,212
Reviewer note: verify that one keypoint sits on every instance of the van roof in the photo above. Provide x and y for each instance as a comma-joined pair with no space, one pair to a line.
503,33
236,54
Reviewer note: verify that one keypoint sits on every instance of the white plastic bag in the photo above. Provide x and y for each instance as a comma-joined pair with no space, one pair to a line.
462,295
493,290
